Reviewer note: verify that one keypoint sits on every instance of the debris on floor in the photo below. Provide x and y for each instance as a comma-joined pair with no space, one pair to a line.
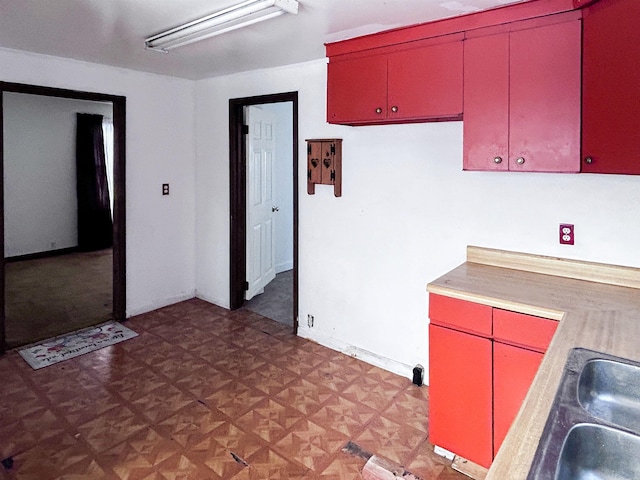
468,468
7,463
377,468
239,460
355,450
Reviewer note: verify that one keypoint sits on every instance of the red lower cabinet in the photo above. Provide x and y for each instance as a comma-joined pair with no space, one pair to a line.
482,361
513,372
460,393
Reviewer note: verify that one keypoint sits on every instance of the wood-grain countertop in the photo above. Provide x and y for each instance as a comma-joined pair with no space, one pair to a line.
601,311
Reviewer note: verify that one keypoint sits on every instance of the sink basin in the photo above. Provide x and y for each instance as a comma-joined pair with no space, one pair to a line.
593,451
610,391
593,428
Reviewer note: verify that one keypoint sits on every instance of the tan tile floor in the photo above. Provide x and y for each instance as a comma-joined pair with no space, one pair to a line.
204,393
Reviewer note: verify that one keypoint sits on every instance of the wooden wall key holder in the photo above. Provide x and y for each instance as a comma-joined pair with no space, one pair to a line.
324,164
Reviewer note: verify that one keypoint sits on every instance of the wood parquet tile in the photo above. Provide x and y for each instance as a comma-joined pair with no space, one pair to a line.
204,393
343,415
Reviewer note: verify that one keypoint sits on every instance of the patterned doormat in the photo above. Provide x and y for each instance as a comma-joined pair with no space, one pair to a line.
75,344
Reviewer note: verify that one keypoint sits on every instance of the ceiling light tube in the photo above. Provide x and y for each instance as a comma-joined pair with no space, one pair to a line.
231,18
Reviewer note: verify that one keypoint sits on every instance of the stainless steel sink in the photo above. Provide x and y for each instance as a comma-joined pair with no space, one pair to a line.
599,452
593,429
610,391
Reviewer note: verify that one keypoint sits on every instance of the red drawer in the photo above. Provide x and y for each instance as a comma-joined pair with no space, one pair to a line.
460,315
523,330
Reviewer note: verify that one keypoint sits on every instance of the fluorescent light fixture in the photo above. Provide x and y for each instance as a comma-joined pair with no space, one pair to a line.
231,18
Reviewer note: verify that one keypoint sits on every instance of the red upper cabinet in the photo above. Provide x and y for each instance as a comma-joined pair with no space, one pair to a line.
426,82
544,115
530,119
486,103
396,85
357,90
610,82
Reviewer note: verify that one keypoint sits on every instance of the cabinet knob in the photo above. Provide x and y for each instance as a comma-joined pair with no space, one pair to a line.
275,209
588,160
394,109
520,160
497,160
378,110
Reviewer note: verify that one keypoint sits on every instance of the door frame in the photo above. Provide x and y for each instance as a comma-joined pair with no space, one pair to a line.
238,197
119,203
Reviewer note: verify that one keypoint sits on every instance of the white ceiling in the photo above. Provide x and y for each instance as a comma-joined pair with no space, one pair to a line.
112,32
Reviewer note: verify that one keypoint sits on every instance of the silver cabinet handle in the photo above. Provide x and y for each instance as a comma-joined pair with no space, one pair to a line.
394,109
588,160
378,110
497,160
520,160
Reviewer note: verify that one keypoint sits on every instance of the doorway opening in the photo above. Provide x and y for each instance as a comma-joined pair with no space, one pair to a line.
238,167
44,264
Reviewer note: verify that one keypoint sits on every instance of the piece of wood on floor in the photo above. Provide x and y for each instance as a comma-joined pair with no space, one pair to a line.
468,468
356,450
378,468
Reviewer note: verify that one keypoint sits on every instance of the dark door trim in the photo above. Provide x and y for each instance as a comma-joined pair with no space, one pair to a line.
119,212
237,196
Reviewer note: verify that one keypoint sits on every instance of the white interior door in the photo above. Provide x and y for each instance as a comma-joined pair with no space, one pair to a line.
260,200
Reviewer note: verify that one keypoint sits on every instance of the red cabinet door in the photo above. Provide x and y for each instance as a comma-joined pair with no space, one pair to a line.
357,90
544,113
426,82
610,80
513,372
486,103
460,393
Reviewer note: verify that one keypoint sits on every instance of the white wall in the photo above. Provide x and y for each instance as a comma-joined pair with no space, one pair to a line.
160,149
284,183
406,215
40,204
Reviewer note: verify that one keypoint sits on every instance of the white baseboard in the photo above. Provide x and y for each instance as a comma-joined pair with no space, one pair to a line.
138,310
220,302
283,267
385,363
443,452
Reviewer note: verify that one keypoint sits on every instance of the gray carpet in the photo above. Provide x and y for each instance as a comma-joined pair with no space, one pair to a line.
276,302
50,296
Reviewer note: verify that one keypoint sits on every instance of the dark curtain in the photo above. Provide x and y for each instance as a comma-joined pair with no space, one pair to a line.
95,226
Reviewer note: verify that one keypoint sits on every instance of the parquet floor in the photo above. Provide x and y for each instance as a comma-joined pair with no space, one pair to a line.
204,393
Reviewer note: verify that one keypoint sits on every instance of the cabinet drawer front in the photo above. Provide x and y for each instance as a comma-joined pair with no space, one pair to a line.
523,330
460,315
